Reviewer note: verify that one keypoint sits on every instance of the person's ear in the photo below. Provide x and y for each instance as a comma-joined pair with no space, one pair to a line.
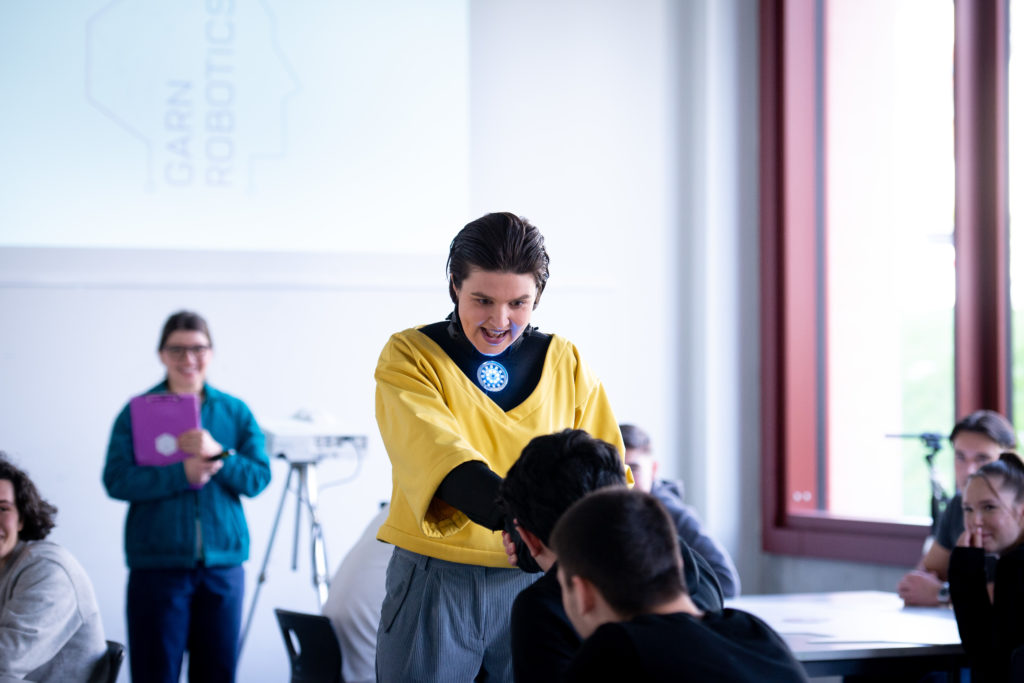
533,544
453,291
586,595
1018,509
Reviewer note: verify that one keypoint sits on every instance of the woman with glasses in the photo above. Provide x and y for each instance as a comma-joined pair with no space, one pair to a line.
457,400
185,534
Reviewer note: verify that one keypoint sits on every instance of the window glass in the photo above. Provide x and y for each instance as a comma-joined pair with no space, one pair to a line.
887,253
1016,183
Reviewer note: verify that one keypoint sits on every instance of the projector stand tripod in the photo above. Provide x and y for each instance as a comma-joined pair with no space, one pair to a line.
305,473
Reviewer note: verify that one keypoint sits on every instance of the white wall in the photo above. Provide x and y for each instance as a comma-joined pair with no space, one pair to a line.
569,111
626,131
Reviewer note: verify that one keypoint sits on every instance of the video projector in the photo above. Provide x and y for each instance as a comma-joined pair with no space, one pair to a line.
303,438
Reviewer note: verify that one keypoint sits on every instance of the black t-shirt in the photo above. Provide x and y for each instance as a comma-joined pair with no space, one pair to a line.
991,630
730,646
544,640
951,523
508,379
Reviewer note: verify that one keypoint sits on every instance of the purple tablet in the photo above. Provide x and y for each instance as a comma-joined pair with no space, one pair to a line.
157,420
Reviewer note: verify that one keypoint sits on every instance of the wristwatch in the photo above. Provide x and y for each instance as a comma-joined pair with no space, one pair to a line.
944,592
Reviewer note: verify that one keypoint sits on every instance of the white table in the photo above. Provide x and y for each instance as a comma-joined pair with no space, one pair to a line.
860,632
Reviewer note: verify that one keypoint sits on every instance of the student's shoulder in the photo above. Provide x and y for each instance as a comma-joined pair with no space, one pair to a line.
737,622
540,599
751,633
42,562
608,654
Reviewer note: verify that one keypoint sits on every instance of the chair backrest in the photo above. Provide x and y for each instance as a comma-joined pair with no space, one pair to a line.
312,647
1017,664
114,658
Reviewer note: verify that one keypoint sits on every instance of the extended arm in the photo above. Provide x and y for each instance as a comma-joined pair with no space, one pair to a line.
472,488
921,586
424,441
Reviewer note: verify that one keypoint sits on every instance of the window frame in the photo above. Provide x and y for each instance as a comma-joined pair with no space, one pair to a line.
793,346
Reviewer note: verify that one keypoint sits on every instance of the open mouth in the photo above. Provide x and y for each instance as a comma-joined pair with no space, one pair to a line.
494,336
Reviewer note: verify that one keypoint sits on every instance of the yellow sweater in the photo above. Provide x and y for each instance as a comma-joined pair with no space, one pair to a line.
433,418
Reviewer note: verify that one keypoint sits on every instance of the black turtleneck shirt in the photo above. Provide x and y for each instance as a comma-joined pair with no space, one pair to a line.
507,378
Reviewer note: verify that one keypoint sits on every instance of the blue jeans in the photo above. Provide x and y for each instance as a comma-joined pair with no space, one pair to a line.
173,610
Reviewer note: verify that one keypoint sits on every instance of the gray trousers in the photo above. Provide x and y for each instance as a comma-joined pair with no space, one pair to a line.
446,622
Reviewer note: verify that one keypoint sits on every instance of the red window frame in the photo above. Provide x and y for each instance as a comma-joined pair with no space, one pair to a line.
792,362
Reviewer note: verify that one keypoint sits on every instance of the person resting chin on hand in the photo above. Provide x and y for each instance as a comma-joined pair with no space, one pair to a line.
988,602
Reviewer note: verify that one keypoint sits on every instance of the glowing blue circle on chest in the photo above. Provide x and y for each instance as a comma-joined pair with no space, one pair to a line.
492,375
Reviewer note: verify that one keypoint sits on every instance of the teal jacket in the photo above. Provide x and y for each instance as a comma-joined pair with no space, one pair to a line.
171,526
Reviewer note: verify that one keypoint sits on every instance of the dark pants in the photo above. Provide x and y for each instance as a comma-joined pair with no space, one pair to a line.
173,610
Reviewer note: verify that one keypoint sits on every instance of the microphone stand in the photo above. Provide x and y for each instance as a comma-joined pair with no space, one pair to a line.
933,443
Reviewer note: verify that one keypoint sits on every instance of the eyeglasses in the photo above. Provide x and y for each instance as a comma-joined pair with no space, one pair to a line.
180,351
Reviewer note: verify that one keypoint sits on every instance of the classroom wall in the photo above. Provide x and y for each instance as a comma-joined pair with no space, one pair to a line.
626,131
578,147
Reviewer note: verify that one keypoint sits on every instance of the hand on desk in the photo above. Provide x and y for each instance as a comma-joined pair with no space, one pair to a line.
920,589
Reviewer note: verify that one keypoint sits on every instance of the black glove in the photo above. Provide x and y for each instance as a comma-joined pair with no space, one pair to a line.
472,488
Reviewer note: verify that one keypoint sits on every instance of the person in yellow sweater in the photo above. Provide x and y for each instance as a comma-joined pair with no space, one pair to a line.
456,402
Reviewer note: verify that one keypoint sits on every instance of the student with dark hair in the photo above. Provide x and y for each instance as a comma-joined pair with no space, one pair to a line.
185,534
50,627
977,439
622,586
554,472
457,400
989,614
644,466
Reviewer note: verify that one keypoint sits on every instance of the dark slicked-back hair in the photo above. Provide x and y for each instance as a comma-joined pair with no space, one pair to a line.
501,243
635,438
989,424
555,471
624,543
1006,473
189,321
36,514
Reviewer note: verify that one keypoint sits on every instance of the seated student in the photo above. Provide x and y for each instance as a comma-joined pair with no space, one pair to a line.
353,603
977,439
553,472
989,615
623,589
50,628
669,493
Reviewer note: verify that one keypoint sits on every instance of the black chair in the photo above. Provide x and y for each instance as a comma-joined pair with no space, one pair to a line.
1017,664
312,647
113,660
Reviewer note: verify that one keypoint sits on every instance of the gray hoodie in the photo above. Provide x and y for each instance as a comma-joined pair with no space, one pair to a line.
50,628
